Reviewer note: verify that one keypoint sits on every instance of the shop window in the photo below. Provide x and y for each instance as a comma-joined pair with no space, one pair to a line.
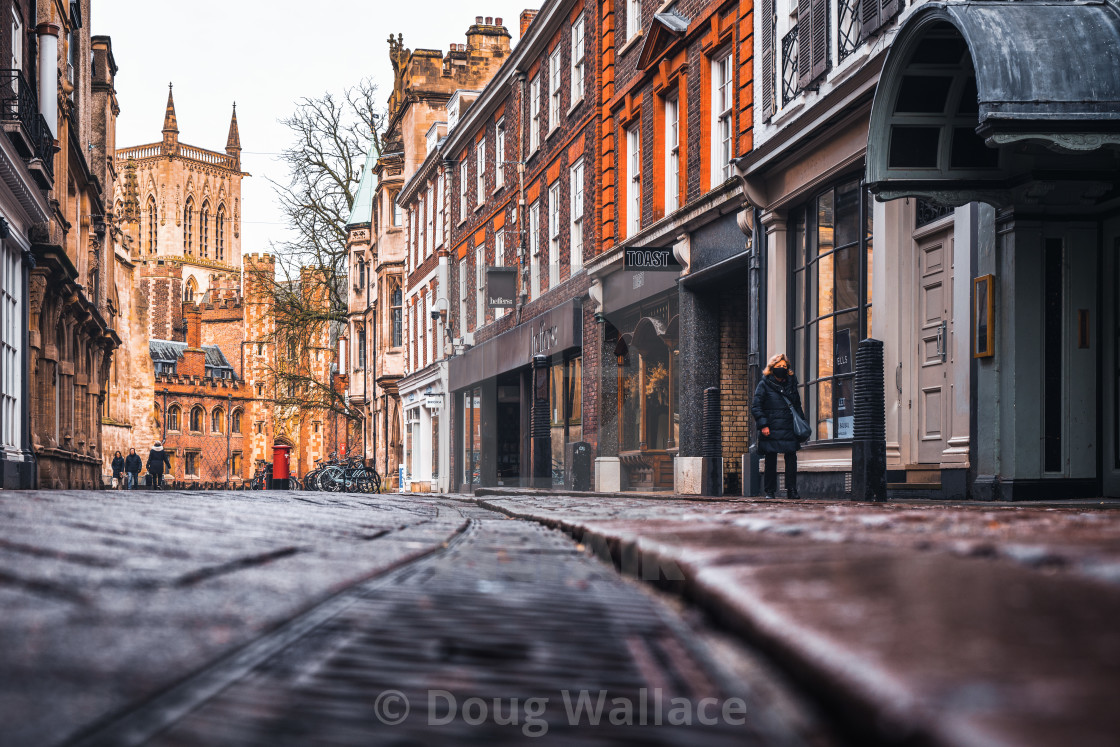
566,405
647,356
472,435
830,269
435,444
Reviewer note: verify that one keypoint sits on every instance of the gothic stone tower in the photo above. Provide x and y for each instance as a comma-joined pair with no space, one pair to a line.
188,211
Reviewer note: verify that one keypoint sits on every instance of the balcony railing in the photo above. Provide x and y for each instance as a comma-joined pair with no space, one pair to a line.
790,87
849,36
25,126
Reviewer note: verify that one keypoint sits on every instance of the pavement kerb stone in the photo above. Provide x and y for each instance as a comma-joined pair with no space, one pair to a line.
904,696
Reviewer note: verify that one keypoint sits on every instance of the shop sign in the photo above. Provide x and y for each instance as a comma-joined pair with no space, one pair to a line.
845,411
651,259
433,402
543,337
501,287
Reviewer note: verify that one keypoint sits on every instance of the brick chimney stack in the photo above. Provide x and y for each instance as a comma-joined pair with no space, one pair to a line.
527,17
192,315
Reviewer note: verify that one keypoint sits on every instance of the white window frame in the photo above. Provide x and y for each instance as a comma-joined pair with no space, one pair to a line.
579,48
575,189
723,101
535,113
463,296
480,285
397,216
17,40
634,179
499,261
463,189
535,249
11,327
439,210
499,154
422,324
672,153
554,62
430,217
554,234
480,174
633,18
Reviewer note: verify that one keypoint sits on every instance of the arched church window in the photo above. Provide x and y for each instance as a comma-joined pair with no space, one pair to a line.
188,228
190,289
153,223
220,234
204,229
196,418
173,418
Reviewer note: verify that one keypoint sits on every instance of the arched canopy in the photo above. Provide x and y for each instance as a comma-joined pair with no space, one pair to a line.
976,97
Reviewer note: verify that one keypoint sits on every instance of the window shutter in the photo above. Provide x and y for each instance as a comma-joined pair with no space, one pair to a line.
887,11
769,72
820,38
869,17
804,43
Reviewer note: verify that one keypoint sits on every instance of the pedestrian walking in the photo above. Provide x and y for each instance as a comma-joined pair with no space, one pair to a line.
118,470
157,459
775,408
132,467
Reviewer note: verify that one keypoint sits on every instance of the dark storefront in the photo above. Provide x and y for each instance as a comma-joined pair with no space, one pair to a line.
494,397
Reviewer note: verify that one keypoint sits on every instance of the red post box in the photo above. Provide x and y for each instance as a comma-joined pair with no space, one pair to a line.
281,469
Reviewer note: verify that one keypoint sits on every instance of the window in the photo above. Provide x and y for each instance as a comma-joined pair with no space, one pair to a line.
554,234
480,285
576,190
235,423
190,463
723,98
260,390
220,234
554,89
11,336
634,179
17,40
578,46
535,113
153,224
499,154
396,314
672,154
190,289
480,176
439,212
813,40
633,18
830,251
360,360
566,407
463,190
535,249
235,464
196,418
217,421
430,217
173,418
188,227
398,217
204,229
648,368
499,261
463,296
422,332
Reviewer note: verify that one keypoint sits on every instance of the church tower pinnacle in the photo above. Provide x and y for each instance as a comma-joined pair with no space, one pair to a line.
170,126
233,141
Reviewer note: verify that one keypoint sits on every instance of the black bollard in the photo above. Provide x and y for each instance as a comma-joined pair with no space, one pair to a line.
711,446
869,431
539,425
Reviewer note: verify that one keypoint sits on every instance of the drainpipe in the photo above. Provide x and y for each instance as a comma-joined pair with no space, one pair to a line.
521,220
48,74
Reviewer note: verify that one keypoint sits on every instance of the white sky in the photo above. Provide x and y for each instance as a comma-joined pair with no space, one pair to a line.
265,55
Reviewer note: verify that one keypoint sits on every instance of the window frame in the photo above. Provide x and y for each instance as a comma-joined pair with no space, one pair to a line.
535,249
499,153
723,106
633,18
480,285
672,153
480,173
555,64
464,189
396,315
535,114
578,62
576,190
634,179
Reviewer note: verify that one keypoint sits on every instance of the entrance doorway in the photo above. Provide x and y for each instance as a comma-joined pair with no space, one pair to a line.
509,430
934,254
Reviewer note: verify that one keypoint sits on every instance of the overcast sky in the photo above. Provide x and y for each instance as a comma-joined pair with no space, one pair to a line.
265,55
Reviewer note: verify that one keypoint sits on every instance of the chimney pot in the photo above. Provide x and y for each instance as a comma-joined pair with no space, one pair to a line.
489,20
498,21
478,19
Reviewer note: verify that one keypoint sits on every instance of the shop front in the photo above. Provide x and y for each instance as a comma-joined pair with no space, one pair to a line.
517,396
426,463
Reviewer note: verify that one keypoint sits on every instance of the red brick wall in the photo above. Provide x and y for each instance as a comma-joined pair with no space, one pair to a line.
735,396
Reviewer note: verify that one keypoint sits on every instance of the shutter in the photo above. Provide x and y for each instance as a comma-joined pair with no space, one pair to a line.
768,70
804,43
888,10
870,18
820,38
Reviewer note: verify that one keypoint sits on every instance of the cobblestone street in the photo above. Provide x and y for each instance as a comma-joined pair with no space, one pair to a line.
267,618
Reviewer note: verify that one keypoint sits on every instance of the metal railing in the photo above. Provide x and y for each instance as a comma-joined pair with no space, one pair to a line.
849,21
19,103
790,86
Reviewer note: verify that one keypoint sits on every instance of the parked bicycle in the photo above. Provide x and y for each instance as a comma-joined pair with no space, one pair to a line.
343,474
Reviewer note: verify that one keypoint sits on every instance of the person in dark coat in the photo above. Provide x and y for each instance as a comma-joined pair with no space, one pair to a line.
157,459
132,467
118,470
770,410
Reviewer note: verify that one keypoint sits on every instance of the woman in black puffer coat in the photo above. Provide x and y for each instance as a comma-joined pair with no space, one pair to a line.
770,410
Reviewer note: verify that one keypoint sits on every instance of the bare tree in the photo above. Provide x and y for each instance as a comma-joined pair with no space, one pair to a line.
331,136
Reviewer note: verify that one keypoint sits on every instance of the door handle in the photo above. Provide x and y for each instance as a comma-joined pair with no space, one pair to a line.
942,347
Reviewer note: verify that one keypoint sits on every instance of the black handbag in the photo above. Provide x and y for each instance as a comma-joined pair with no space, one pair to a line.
801,428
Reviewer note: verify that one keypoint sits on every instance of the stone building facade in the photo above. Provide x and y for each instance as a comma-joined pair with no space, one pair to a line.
70,337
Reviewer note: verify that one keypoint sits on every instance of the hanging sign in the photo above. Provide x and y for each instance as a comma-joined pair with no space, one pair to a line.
501,287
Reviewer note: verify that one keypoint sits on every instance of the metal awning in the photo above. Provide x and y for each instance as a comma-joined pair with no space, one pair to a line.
965,80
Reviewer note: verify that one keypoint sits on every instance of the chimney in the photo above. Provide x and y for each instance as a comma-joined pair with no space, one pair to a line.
489,20
192,315
527,17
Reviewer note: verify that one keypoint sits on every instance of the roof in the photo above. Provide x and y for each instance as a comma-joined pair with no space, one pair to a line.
362,209
169,351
